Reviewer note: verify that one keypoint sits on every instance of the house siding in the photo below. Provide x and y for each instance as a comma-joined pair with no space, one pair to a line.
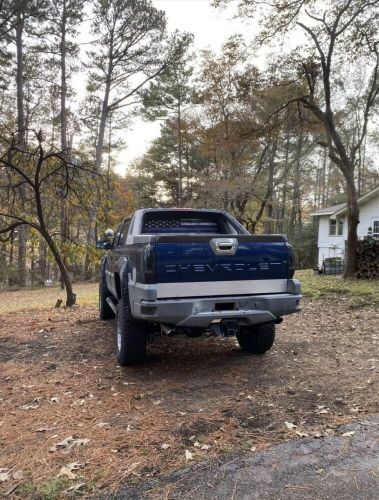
367,213
334,246
330,246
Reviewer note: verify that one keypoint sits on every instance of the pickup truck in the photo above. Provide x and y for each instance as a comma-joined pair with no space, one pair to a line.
194,272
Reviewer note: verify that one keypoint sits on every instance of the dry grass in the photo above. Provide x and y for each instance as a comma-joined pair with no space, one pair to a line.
323,371
45,298
356,292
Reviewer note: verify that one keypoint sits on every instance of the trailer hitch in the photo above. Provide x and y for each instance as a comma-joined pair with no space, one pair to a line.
225,328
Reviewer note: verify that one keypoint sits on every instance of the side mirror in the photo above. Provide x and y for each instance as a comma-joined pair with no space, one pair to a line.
104,244
109,234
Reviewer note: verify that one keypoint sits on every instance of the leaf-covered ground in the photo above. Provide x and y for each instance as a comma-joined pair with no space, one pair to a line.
72,421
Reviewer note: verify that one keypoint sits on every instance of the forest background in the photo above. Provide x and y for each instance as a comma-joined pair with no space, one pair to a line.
267,142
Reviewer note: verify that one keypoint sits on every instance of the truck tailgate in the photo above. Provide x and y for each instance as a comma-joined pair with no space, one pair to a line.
200,265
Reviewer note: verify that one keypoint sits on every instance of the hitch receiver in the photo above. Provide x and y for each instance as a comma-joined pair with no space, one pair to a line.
225,328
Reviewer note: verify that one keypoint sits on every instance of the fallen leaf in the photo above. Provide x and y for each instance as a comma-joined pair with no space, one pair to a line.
33,405
197,444
65,443
81,442
104,424
156,403
66,470
4,475
348,434
54,399
324,411
76,487
253,448
302,434
205,447
290,425
46,429
69,443
18,475
165,446
189,455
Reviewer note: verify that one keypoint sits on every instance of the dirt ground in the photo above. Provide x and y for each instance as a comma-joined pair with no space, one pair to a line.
193,399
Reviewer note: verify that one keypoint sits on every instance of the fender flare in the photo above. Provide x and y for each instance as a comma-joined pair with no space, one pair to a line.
124,279
124,282
102,266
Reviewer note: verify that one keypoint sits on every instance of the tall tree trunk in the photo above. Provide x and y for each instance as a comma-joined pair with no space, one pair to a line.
270,189
324,180
22,230
285,186
42,267
70,295
296,195
346,166
3,265
91,235
351,258
63,124
180,155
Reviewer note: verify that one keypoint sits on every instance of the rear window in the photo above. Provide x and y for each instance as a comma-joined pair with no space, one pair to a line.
185,223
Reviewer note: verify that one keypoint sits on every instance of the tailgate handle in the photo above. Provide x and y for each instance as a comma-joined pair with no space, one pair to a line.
224,246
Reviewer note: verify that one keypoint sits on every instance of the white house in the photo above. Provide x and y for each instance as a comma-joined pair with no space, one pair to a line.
332,229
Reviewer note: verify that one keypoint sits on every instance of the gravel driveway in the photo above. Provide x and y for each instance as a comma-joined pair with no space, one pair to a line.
337,467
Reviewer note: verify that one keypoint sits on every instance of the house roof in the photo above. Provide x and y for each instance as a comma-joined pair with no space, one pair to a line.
329,210
341,209
368,196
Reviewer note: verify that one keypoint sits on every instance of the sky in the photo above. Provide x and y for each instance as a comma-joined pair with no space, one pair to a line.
211,27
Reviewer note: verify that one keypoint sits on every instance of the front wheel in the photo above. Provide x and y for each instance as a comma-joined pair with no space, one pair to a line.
256,339
131,337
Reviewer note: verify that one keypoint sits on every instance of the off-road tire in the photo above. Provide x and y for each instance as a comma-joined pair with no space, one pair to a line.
105,310
131,337
257,339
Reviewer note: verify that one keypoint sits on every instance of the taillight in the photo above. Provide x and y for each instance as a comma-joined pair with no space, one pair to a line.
291,264
149,264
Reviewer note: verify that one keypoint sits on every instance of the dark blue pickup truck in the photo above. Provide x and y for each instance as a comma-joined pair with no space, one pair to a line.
194,272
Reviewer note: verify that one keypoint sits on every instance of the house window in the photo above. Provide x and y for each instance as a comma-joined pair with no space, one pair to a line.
332,227
375,228
340,227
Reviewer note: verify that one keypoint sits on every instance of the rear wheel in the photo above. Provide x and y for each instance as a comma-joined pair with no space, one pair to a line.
131,337
105,310
256,339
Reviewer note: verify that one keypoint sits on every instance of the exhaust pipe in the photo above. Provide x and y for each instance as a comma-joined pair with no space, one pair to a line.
167,330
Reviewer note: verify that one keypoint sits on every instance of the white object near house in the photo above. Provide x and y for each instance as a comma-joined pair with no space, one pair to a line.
332,229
